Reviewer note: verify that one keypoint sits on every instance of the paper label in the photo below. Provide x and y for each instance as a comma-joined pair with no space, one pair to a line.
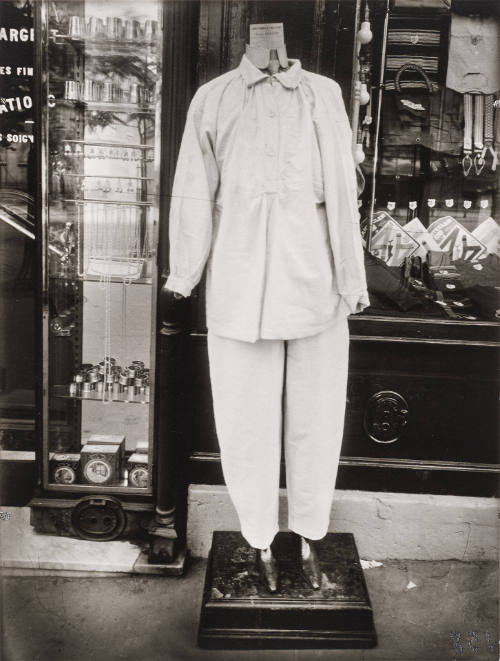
267,35
391,242
454,238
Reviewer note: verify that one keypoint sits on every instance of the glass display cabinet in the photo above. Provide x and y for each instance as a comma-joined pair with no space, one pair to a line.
101,232
100,68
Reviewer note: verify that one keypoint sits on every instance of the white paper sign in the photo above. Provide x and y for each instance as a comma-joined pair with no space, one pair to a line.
267,35
454,238
488,233
390,241
417,230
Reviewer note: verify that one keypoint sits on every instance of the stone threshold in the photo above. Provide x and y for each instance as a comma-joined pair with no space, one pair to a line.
385,525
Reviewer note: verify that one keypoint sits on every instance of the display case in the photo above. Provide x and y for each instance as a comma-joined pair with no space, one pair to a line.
102,137
100,108
427,124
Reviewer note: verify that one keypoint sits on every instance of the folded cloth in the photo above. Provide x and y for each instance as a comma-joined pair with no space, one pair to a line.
487,301
483,272
385,283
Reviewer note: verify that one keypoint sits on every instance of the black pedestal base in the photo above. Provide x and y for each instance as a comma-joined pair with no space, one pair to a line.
238,611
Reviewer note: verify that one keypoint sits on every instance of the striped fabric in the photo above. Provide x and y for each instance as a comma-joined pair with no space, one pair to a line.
419,40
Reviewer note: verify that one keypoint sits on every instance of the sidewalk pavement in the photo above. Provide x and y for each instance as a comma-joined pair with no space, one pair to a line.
425,610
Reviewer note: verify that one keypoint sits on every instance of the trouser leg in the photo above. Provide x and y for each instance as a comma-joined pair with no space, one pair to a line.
247,387
315,397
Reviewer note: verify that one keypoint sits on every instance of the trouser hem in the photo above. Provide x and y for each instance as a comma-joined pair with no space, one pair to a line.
259,542
303,531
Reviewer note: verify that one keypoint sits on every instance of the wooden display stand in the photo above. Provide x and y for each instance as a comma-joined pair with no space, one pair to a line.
238,612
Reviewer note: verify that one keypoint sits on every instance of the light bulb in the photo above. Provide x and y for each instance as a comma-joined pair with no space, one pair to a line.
364,95
359,154
365,34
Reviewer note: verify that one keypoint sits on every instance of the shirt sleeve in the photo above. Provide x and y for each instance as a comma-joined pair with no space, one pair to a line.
341,192
193,193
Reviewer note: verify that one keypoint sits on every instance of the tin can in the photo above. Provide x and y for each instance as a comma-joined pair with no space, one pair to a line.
95,27
134,93
76,27
114,27
94,377
71,90
107,91
150,30
132,30
88,90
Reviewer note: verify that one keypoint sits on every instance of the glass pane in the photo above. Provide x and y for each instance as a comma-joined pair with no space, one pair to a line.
17,227
104,87
433,219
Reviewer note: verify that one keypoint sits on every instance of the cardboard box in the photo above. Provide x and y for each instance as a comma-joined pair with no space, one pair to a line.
138,470
101,464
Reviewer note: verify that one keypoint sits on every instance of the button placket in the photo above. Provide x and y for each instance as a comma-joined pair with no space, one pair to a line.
271,128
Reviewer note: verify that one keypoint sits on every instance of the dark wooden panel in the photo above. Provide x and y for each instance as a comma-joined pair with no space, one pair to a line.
238,612
451,393
207,470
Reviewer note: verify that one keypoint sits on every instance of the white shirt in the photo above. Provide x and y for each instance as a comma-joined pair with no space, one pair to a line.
265,196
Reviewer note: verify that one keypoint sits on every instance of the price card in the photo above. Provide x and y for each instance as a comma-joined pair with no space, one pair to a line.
267,35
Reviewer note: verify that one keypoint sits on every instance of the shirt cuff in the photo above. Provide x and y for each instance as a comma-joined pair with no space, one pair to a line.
357,302
178,285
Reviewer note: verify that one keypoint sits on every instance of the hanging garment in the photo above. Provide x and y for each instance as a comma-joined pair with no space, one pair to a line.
474,55
417,39
265,195
268,388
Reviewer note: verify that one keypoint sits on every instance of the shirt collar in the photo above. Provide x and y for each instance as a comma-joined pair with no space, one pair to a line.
289,78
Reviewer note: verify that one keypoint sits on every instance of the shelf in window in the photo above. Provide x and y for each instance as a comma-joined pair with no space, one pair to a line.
63,393
95,278
105,46
122,487
81,175
131,108
130,203
97,143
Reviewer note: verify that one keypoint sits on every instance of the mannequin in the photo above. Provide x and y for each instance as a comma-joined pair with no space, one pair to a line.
252,334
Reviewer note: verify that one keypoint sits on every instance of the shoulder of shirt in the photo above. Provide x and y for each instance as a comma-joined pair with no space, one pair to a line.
323,83
214,87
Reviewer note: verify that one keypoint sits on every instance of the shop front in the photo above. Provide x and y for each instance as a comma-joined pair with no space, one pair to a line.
123,400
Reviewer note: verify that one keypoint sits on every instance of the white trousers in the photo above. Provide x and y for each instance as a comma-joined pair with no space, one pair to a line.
271,390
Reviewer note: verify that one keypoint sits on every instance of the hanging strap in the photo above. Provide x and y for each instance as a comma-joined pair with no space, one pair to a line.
478,133
492,129
468,116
